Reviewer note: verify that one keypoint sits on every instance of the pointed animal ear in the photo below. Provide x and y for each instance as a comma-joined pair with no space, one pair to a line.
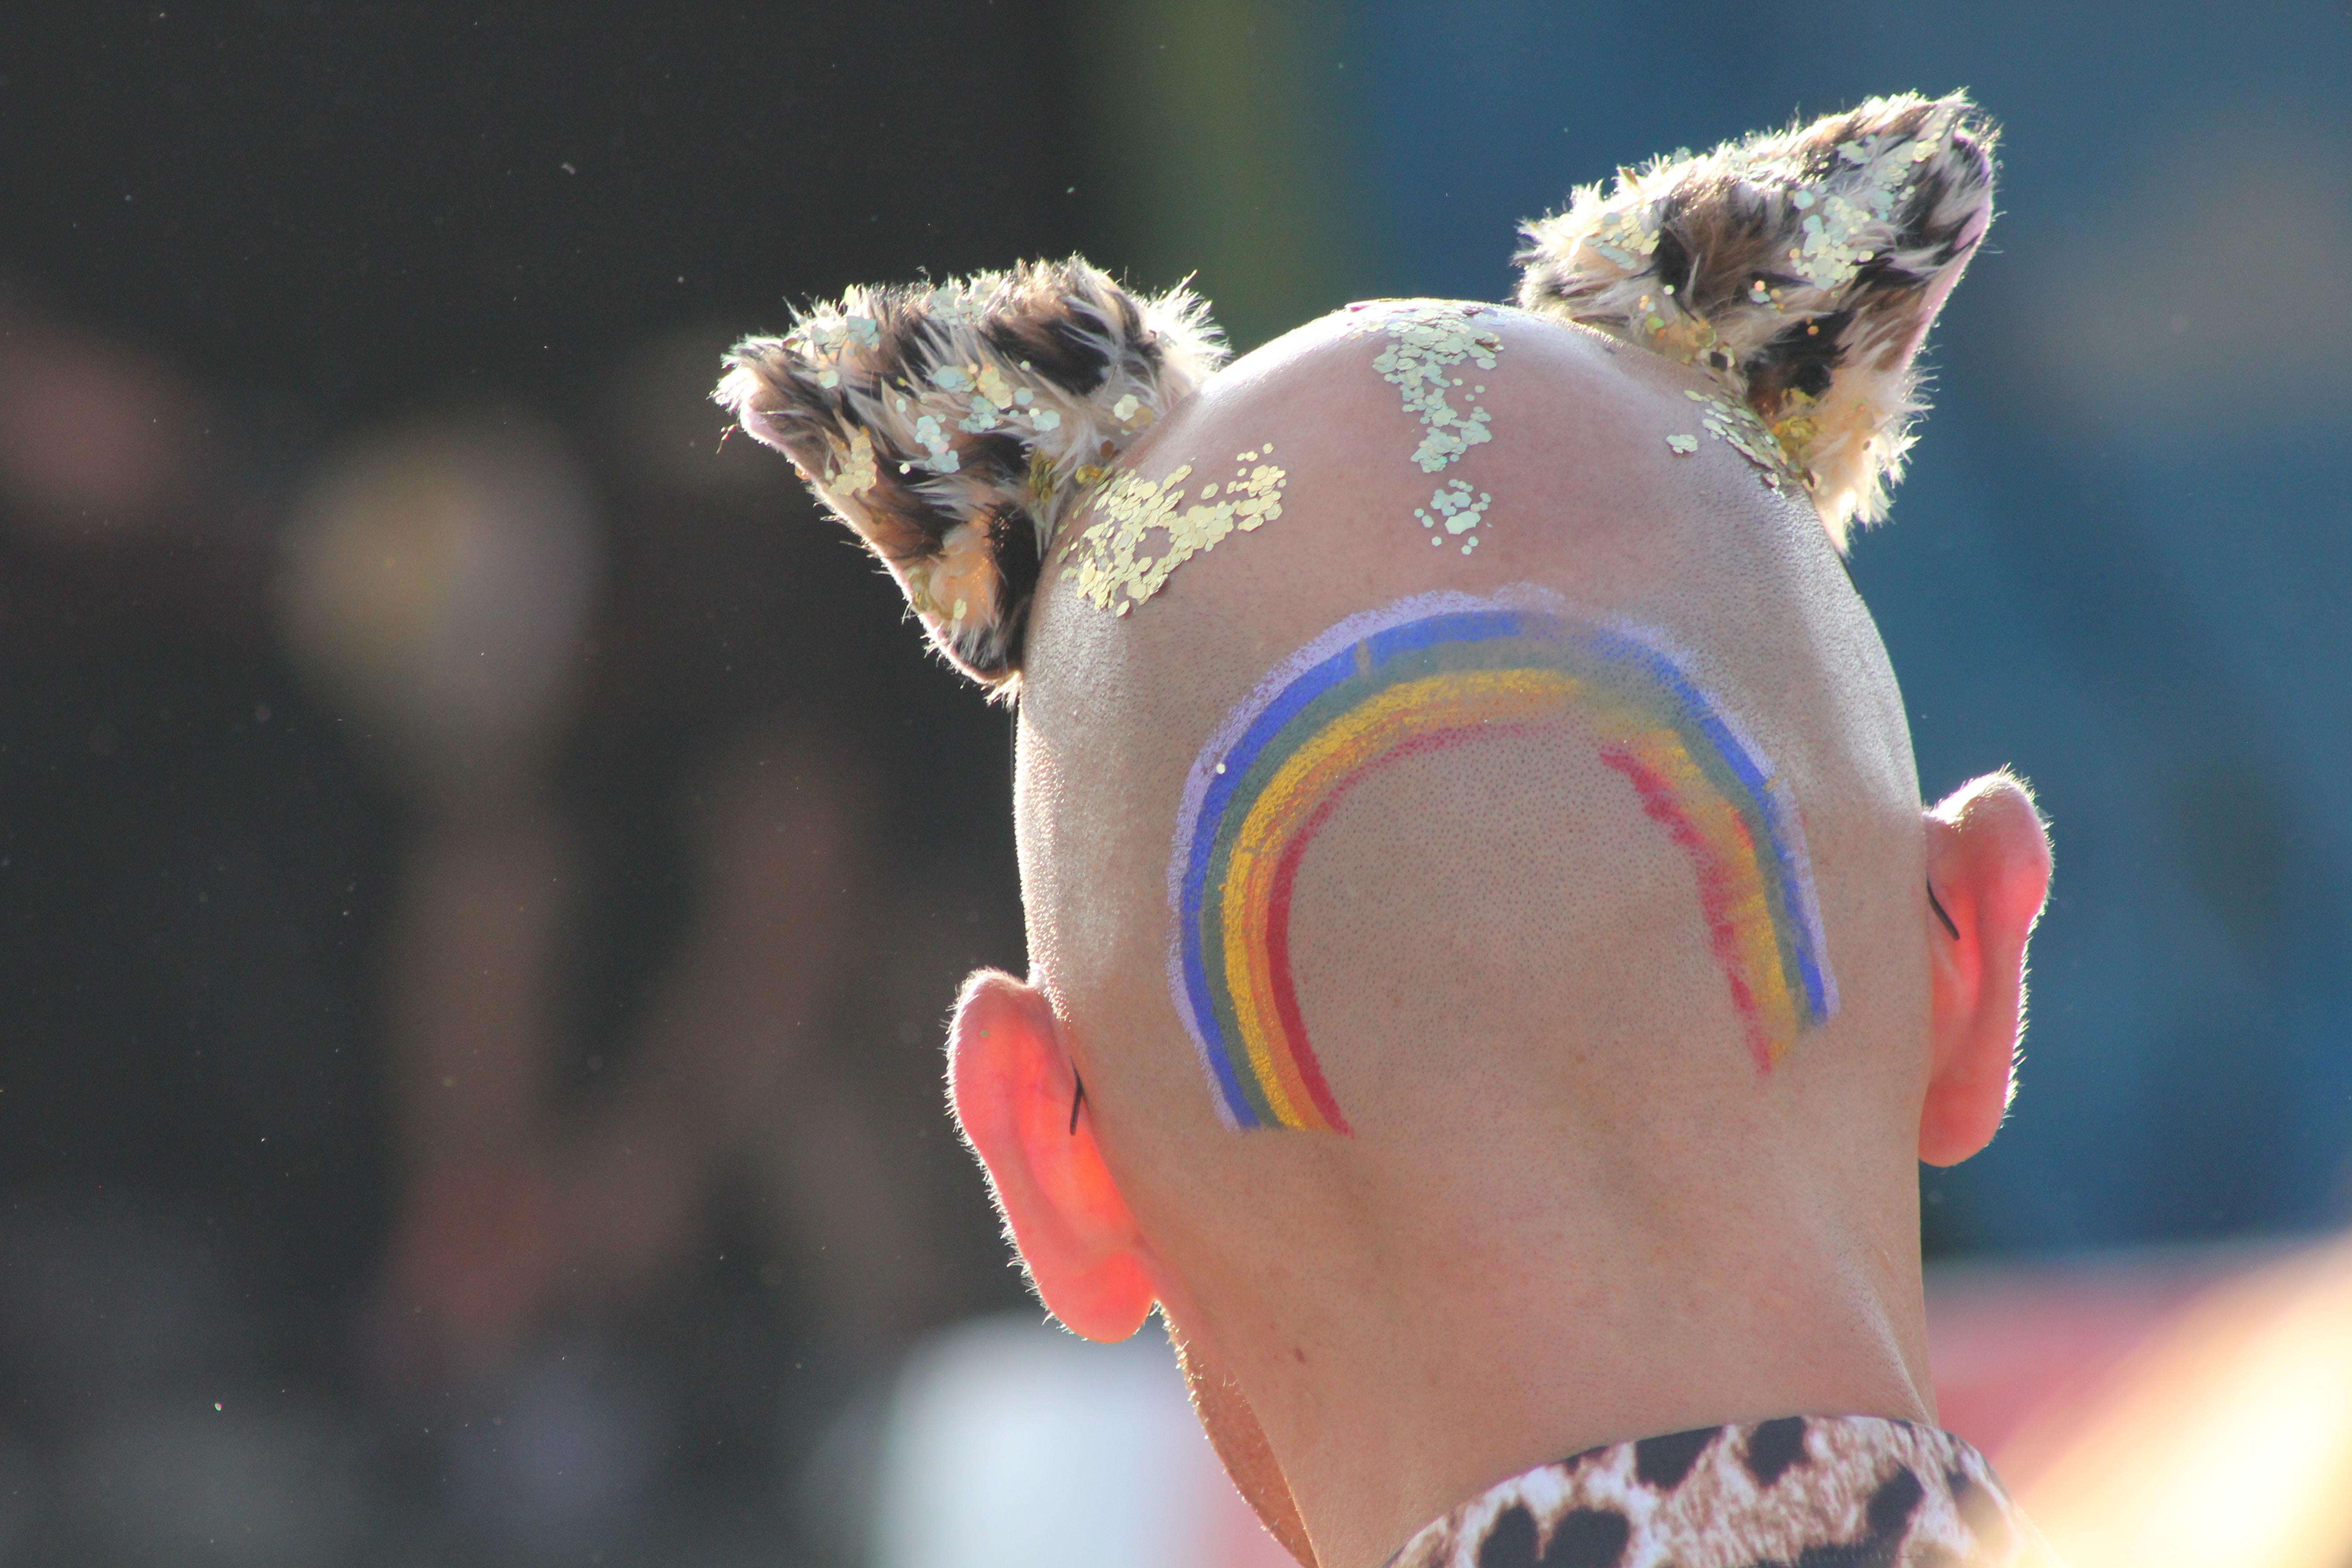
951,425
1802,269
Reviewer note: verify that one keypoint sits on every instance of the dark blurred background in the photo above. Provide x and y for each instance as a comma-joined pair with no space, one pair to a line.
482,866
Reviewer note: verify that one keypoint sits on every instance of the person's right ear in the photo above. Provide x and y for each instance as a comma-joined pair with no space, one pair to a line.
1987,874
1016,1095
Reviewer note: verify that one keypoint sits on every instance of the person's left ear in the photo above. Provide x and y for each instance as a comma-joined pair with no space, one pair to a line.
1016,1095
1987,874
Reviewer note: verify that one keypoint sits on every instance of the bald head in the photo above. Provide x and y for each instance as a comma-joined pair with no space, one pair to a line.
1484,911
1467,826
1483,1015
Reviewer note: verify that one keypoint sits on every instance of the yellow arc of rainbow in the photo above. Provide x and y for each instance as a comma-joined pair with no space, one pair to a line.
1434,671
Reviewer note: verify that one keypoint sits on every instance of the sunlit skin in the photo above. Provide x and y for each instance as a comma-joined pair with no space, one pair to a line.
1571,1209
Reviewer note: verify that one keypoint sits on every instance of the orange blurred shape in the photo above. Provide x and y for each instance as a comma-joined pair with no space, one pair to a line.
436,581
2223,1439
2011,1340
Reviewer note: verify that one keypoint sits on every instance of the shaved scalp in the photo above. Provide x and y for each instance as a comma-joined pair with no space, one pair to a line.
1467,827
1503,958
1474,916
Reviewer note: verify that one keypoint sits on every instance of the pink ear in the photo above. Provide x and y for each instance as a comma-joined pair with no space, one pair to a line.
1015,1095
1939,287
1987,872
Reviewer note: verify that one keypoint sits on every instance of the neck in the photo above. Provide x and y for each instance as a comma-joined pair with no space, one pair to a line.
1385,1403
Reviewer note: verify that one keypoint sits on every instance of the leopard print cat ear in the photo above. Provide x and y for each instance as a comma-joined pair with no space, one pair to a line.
1802,269
951,425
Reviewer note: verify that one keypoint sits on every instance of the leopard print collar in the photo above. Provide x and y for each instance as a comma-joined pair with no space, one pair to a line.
1848,1491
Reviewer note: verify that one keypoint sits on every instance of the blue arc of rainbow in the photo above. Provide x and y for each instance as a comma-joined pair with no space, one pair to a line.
1431,672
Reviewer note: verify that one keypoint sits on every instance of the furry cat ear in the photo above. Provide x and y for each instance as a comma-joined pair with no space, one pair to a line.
952,426
1802,268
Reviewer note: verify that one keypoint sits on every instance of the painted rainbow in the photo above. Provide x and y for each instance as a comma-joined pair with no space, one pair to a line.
1431,672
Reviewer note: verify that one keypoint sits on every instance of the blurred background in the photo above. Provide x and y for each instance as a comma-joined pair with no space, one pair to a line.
482,868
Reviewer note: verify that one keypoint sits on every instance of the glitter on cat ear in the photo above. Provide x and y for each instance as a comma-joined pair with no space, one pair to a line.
1800,269
953,426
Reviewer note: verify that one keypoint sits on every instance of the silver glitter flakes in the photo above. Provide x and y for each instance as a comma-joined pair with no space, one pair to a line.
1457,507
1729,420
1105,560
1429,341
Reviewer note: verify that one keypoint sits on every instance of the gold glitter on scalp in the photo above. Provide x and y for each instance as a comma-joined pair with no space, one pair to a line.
1458,508
1730,420
1104,559
1429,341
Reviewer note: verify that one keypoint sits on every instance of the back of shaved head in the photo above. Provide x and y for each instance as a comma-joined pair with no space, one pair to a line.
1479,900
1502,960
1515,874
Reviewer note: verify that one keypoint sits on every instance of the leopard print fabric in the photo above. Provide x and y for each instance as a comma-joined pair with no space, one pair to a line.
1801,1492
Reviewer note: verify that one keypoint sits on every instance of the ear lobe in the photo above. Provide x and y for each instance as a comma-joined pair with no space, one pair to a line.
1015,1094
1988,871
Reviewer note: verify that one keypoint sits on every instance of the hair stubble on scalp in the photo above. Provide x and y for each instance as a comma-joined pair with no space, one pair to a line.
1128,723
1505,951
1502,955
